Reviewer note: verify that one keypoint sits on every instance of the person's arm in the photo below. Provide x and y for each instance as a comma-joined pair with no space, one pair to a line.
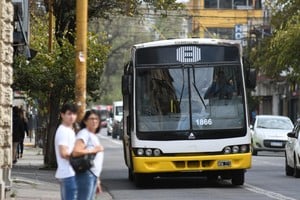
64,151
99,188
80,150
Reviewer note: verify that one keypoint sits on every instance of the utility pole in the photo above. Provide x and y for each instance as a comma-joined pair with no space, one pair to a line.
50,30
81,55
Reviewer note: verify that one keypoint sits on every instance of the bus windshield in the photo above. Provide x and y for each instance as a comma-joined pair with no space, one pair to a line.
189,98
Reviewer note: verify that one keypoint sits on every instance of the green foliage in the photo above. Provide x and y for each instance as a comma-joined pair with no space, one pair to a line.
54,73
64,11
281,51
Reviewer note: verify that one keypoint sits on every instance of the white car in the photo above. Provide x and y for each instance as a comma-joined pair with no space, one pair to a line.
292,152
270,133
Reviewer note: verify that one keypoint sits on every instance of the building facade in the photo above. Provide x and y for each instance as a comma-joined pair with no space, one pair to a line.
6,74
226,19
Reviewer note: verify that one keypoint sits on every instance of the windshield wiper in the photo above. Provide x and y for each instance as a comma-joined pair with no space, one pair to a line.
262,127
183,85
194,84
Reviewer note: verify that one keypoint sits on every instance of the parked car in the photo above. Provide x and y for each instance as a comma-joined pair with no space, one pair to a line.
117,118
270,133
292,152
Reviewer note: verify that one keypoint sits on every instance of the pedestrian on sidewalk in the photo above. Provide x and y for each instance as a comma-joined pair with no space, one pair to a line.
17,131
64,144
24,130
87,142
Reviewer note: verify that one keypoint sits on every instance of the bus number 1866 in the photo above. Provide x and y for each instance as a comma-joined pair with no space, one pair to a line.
204,122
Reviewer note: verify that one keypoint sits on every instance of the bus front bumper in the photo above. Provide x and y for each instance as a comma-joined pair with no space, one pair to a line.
199,163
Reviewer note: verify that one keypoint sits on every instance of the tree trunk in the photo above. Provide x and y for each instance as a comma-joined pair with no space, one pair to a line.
49,156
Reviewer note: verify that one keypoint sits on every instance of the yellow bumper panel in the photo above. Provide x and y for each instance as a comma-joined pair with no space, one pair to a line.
191,163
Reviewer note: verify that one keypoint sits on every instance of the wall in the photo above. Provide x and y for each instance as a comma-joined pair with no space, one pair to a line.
6,59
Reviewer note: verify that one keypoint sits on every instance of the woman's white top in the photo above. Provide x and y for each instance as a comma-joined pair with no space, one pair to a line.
91,141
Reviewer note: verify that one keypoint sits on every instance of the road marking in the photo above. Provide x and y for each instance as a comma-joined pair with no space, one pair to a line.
267,193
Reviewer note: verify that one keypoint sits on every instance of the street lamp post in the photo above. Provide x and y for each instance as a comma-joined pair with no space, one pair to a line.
81,55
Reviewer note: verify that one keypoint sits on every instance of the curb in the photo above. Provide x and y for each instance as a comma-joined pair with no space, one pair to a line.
17,180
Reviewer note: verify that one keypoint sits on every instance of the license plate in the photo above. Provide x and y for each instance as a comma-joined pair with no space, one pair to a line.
276,144
224,163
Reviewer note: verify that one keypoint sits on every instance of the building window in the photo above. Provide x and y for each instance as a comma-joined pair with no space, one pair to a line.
225,4
255,4
211,4
221,33
240,3
233,4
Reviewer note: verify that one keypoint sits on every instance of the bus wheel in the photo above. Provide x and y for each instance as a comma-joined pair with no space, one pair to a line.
212,178
288,170
130,174
296,170
254,151
238,178
143,180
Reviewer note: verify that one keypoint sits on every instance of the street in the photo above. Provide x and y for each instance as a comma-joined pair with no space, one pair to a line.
265,180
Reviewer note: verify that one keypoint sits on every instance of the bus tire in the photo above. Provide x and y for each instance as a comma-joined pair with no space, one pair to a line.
130,175
254,152
142,180
212,178
296,173
238,178
288,170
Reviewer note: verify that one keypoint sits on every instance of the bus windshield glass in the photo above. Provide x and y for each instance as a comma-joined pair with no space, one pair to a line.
189,98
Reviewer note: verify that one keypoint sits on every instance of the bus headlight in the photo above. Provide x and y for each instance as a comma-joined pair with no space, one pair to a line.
235,149
244,149
156,152
227,150
148,152
140,152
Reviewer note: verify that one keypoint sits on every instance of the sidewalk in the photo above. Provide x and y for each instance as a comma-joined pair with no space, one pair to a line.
30,181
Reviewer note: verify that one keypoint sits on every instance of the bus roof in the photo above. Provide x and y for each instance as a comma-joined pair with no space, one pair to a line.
187,41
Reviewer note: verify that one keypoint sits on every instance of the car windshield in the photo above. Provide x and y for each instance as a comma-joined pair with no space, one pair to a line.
189,98
274,123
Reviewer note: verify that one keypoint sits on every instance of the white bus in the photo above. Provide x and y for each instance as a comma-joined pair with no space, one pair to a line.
185,110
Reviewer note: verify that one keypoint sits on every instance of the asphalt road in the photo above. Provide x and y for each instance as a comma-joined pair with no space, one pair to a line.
264,181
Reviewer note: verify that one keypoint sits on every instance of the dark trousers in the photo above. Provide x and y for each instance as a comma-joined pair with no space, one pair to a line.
20,147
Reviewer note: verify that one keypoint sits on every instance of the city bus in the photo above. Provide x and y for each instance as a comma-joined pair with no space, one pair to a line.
185,110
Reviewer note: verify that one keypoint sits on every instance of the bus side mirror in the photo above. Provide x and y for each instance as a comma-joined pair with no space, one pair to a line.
126,84
250,74
251,78
291,135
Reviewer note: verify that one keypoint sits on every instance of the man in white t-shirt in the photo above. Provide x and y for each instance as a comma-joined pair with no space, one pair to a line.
64,144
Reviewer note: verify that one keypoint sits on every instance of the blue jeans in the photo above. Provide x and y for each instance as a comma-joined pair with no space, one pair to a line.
87,185
68,188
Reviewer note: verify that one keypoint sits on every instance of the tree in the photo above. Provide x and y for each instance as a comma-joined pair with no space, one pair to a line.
280,52
49,77
64,11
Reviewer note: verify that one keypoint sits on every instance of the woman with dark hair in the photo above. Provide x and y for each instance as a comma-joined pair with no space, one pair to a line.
88,143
